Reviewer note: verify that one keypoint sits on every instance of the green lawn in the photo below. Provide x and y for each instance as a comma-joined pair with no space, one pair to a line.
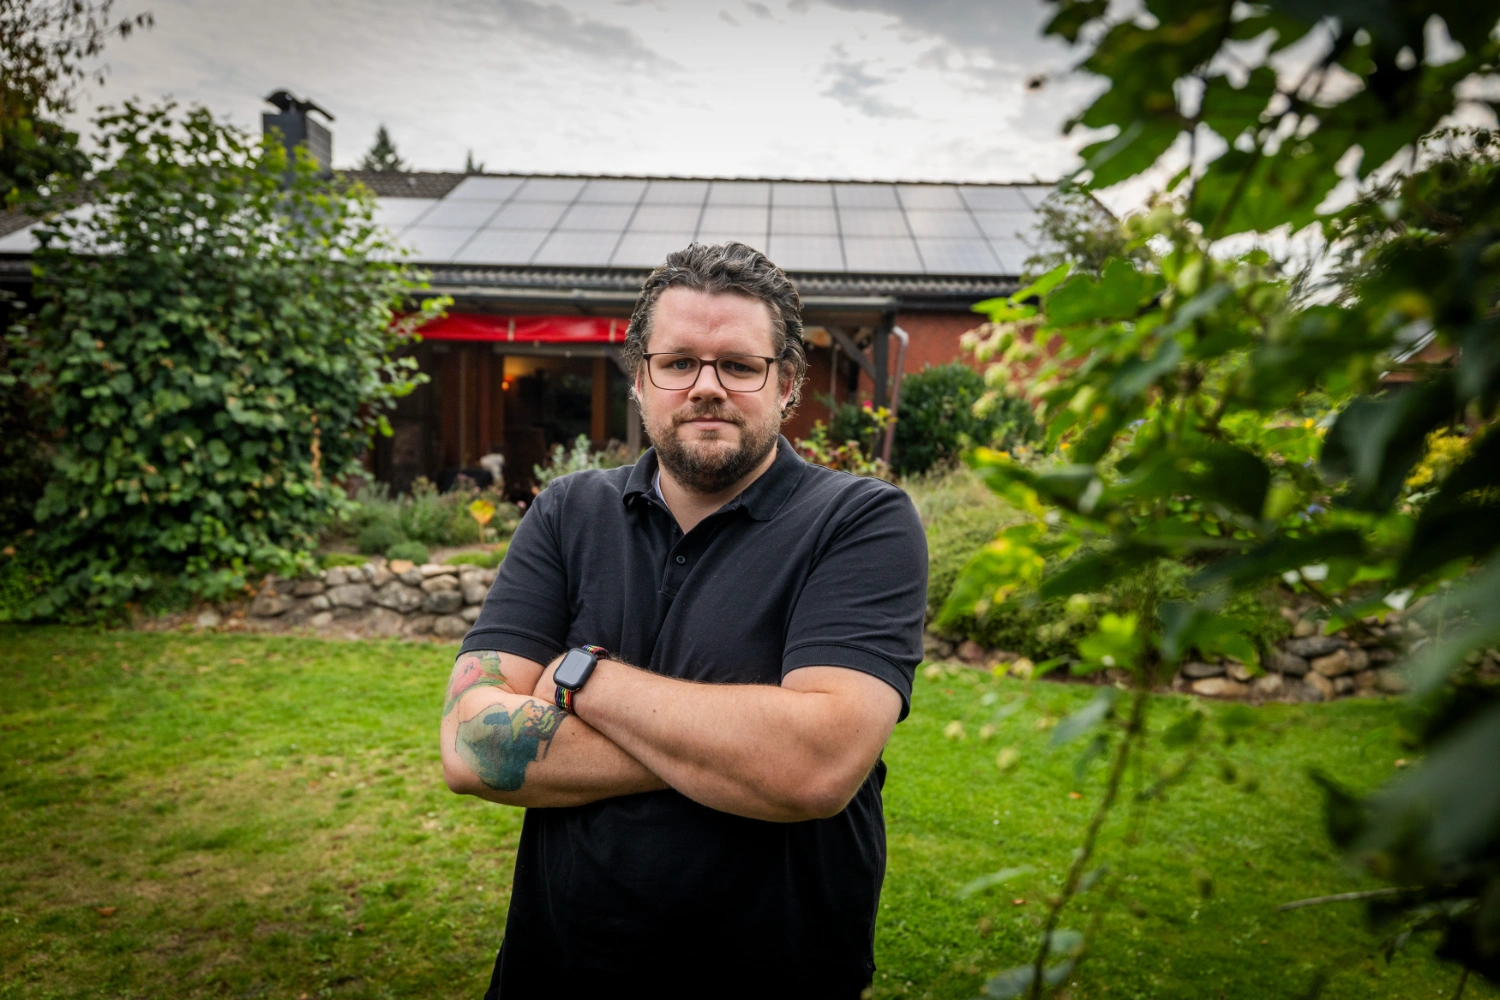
186,816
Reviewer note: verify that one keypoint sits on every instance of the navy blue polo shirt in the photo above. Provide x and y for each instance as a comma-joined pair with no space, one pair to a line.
807,567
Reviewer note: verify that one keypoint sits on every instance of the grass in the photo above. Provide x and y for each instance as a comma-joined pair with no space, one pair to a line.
189,815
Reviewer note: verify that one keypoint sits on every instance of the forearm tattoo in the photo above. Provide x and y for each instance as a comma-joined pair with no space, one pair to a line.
497,744
480,668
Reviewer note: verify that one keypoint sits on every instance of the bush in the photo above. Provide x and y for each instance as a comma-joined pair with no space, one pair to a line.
217,345
329,560
938,419
428,516
410,551
487,560
581,456
379,536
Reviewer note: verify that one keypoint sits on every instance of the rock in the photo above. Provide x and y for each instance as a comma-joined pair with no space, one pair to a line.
970,651
309,587
935,648
419,625
1198,671
1322,684
470,614
399,597
1381,656
320,602
411,577
1290,614
351,595
384,621
381,577
1268,685
488,574
1335,664
433,584
444,602
208,619
1314,645
1304,628
1287,663
338,576
1220,687
450,626
475,591
1344,684
1390,681
1365,681
1239,672
322,619
367,570
430,570
271,605
399,566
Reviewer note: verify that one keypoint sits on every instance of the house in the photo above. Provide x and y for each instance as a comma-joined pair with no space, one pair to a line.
544,270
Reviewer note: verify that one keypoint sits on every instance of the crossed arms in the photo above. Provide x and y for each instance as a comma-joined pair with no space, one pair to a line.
794,752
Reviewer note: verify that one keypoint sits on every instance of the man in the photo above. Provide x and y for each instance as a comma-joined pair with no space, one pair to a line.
703,800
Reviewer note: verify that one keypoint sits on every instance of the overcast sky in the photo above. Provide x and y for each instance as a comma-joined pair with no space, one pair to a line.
887,89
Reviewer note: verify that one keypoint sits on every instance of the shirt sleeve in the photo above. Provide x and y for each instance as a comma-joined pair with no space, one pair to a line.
866,598
526,610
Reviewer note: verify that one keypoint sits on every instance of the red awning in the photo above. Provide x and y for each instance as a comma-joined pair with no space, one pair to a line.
527,329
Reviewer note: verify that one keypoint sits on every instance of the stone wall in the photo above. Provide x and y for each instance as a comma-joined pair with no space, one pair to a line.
376,599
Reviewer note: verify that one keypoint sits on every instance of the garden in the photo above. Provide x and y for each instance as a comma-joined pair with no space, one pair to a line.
1211,702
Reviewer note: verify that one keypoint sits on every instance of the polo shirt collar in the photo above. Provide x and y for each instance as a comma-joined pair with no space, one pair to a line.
761,499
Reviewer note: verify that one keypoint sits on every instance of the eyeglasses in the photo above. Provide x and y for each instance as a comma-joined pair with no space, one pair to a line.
737,372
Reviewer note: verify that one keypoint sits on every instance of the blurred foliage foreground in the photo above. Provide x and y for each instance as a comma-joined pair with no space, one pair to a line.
1213,406
199,815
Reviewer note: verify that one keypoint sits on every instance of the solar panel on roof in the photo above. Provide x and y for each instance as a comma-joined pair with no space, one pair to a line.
550,189
929,196
941,224
810,194
502,246
751,218
613,191
995,198
739,193
872,222
1006,225
1012,255
459,214
577,248
596,217
676,193
806,253
528,215
865,196
798,220
665,219
430,244
397,212
882,254
494,189
1036,193
958,257
648,249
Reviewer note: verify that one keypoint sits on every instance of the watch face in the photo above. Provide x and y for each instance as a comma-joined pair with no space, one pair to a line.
574,669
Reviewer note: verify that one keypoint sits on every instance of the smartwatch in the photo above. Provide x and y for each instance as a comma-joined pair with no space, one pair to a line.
573,671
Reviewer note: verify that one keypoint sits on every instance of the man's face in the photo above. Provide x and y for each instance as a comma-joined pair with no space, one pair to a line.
709,438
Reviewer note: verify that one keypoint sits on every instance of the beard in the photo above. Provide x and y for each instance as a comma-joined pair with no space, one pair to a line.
704,466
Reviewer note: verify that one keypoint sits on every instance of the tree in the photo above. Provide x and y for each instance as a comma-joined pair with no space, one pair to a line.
1075,229
470,166
217,340
382,156
1205,407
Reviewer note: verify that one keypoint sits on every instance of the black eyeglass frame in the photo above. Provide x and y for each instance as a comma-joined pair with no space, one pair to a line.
714,363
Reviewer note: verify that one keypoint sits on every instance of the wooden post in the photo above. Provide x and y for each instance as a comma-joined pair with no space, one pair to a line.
599,408
482,416
881,376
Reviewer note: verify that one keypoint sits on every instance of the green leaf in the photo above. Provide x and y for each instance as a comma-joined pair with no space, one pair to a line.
1120,293
1087,717
1230,110
1016,981
1280,555
1183,732
1472,611
1376,442
991,880
1135,150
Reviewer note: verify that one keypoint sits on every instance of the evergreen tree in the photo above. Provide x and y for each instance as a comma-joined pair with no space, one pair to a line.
382,155
470,166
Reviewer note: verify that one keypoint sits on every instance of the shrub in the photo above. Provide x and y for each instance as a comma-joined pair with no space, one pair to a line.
216,342
819,449
487,560
428,516
581,456
938,419
410,551
379,536
329,560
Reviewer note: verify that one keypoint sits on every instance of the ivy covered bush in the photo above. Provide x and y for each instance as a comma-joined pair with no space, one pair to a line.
215,344
939,418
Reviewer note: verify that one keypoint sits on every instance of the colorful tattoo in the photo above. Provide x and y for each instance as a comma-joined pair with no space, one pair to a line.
477,669
497,745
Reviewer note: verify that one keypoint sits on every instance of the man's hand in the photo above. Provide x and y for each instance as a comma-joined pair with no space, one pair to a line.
795,752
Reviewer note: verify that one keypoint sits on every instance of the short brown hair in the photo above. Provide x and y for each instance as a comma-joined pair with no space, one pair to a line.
717,269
